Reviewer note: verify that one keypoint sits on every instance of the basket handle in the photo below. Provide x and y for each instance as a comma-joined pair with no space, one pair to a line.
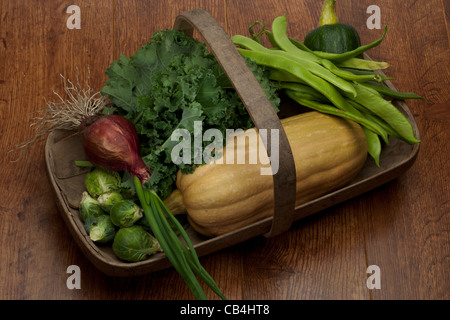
257,104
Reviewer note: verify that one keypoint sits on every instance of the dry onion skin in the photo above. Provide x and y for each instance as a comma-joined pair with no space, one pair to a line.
66,113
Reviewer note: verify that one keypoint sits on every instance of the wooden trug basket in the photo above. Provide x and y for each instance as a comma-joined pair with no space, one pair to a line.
62,149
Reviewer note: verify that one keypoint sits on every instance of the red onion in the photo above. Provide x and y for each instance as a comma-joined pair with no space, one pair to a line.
111,142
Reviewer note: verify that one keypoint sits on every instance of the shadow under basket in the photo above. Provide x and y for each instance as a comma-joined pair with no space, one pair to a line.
63,148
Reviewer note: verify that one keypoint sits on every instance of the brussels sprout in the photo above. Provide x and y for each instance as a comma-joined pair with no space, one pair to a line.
100,181
108,199
89,207
100,228
134,244
125,213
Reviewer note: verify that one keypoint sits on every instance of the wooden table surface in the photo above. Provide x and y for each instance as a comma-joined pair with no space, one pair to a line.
401,227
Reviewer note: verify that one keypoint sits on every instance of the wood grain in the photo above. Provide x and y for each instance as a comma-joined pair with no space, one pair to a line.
402,226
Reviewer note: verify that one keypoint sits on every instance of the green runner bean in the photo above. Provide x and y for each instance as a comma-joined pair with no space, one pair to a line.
247,43
373,145
283,76
304,90
373,101
384,90
362,64
347,75
367,72
376,119
340,57
279,35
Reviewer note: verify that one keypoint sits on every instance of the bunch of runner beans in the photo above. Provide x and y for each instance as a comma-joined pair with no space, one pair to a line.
343,85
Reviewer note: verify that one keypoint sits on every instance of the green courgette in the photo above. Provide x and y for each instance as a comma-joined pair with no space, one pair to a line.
331,35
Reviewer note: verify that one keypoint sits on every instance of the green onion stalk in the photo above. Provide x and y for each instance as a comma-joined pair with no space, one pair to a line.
111,142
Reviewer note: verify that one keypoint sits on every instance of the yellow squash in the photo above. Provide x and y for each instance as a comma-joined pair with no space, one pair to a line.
220,197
